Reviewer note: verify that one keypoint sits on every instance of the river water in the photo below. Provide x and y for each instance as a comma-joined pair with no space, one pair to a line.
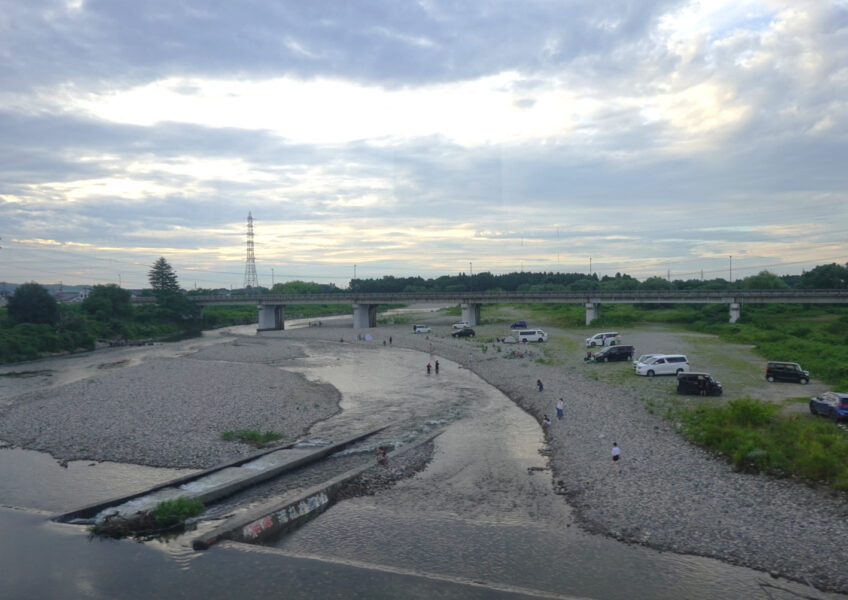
482,520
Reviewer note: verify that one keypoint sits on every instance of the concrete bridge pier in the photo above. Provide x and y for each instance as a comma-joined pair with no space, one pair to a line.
471,313
271,317
364,316
591,312
735,311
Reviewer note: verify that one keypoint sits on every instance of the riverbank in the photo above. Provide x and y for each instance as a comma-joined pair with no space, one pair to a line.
669,494
164,411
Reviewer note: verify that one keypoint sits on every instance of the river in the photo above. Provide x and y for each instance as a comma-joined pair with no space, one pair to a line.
481,521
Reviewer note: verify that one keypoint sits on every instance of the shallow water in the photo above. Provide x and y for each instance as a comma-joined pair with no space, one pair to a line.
484,510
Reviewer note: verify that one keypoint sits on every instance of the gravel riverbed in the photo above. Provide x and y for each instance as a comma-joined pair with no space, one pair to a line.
668,494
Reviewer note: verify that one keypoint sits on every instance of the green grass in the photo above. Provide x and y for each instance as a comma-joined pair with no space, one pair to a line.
172,512
167,517
754,437
254,438
814,336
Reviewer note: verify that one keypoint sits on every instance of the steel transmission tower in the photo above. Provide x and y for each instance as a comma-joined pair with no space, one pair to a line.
250,262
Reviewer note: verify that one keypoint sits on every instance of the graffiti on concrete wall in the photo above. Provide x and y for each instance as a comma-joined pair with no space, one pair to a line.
292,512
252,530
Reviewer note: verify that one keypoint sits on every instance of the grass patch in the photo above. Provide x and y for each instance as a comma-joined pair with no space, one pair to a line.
251,437
171,512
753,437
168,517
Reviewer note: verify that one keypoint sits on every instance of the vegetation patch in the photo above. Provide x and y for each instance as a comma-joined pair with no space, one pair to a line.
755,438
168,516
251,437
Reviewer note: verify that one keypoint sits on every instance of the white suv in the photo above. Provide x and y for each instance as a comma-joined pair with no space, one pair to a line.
664,364
608,338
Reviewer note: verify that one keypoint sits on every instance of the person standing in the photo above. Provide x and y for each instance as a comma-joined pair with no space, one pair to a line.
428,368
560,408
616,455
437,367
539,385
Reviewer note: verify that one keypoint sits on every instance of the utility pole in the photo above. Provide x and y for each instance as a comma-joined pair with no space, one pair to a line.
590,266
730,257
272,277
470,277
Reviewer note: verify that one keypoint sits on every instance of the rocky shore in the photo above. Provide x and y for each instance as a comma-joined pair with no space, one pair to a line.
669,494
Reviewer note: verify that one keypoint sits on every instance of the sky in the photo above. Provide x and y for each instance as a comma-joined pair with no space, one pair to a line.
385,137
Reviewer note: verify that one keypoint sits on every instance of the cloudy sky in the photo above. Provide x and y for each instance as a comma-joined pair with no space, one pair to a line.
421,138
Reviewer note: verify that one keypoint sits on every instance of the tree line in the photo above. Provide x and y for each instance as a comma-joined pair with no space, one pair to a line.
33,323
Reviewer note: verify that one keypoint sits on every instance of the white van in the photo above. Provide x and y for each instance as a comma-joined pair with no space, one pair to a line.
532,335
607,338
664,364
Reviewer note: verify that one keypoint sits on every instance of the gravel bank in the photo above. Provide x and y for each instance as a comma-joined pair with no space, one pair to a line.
171,412
669,494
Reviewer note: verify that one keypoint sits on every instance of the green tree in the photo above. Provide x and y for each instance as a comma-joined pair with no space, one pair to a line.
32,303
825,277
106,302
656,284
162,277
175,306
764,281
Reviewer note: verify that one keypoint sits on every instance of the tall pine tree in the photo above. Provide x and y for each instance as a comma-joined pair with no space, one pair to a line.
162,277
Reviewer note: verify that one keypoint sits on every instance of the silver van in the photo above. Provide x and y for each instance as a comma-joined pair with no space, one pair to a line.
532,335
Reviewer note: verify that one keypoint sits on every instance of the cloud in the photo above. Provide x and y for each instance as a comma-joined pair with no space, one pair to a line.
416,137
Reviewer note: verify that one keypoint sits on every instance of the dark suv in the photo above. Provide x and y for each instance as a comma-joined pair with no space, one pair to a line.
786,371
698,384
611,353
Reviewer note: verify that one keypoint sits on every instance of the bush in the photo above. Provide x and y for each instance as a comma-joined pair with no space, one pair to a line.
753,437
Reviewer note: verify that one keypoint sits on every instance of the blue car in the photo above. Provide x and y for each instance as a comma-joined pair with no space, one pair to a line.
519,325
831,404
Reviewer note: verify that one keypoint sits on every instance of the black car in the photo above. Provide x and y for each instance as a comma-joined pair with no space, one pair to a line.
701,384
612,353
464,332
786,371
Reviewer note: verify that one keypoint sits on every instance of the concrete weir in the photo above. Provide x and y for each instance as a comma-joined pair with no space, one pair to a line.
288,513
218,482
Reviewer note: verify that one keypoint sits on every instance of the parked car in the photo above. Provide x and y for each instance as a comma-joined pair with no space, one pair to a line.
644,358
664,364
532,335
831,404
786,371
421,329
464,332
694,383
614,353
509,340
608,338
461,325
519,325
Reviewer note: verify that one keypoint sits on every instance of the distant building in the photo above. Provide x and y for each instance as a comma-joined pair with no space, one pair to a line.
71,297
